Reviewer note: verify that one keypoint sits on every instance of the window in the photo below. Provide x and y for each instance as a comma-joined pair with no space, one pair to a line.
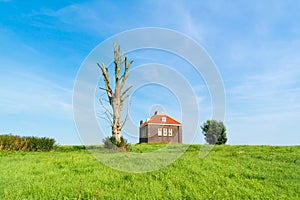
159,133
165,132
170,132
163,119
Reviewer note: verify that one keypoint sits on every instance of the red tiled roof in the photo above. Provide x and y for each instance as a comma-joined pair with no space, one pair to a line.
157,119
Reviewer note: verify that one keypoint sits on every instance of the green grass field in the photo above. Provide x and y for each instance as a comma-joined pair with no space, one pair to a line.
228,172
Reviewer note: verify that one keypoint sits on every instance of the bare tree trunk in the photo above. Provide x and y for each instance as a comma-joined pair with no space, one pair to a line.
116,127
118,96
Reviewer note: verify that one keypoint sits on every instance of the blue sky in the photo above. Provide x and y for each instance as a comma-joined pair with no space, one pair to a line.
255,45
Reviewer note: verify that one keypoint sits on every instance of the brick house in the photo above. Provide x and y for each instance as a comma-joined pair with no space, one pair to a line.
160,128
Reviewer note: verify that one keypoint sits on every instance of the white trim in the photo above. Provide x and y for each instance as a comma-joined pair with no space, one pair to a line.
164,124
170,132
165,132
159,131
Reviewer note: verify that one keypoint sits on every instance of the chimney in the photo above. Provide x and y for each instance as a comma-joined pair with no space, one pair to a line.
159,113
141,122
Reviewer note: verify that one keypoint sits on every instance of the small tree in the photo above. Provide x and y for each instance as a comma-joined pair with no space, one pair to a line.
116,96
214,132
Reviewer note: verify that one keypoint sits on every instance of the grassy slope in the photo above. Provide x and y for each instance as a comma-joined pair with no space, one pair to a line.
228,172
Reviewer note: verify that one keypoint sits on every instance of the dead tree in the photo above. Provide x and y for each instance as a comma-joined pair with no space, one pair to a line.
118,95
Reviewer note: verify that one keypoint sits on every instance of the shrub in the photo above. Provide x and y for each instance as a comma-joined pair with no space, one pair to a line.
112,143
214,132
17,143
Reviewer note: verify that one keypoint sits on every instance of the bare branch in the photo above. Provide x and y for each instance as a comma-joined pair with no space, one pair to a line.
125,97
116,62
108,115
103,89
106,80
109,121
105,108
125,74
122,61
108,118
126,90
127,113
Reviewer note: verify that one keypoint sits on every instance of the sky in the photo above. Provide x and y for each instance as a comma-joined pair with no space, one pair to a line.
254,44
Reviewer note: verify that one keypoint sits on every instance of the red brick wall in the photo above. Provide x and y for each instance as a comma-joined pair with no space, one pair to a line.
154,138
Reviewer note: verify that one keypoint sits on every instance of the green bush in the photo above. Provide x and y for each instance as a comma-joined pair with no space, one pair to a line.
18,143
112,143
214,132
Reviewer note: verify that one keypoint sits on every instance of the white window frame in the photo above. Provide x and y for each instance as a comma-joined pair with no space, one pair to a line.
159,131
170,132
165,132
164,119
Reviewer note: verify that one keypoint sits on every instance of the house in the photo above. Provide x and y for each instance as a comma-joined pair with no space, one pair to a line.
160,128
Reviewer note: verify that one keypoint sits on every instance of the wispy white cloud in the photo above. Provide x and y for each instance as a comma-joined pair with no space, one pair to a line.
30,93
114,19
267,92
263,104
277,128
255,45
